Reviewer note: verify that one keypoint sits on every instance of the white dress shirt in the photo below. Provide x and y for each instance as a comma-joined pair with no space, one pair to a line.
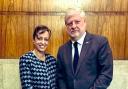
80,43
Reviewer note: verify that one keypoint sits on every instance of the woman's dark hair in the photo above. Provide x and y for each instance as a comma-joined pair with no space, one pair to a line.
41,29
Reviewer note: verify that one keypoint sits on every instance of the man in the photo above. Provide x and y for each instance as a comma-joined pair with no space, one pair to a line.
85,61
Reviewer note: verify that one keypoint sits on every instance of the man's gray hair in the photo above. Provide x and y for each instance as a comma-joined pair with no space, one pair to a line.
74,11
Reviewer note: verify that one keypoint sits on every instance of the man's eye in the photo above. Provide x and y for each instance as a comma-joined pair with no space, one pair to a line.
69,24
77,22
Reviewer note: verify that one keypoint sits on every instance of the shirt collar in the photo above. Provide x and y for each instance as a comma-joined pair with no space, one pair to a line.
81,40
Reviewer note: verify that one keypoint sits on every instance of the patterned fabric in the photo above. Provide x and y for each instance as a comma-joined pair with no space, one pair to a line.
37,74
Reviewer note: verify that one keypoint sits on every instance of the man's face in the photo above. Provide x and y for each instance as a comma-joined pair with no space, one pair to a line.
76,26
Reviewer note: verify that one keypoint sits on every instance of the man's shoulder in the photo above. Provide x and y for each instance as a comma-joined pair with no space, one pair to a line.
97,36
65,44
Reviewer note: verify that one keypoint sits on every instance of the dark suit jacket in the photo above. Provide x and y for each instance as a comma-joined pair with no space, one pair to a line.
95,66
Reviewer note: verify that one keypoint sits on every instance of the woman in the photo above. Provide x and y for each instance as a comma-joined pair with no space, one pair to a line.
37,68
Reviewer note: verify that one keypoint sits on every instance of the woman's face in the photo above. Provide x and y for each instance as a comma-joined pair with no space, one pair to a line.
41,41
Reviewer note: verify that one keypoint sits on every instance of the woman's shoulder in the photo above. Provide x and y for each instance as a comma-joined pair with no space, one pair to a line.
26,56
49,56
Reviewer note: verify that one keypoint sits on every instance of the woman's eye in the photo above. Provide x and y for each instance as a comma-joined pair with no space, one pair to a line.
40,38
46,39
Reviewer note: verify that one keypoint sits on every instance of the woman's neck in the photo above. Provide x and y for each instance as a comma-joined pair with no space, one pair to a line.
39,55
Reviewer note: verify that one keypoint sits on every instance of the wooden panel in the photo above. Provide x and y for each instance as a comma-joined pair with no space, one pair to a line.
114,28
17,32
104,5
0,34
62,5
19,17
126,40
14,35
1,4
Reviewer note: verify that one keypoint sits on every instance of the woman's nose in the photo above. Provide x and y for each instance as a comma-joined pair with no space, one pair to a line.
43,41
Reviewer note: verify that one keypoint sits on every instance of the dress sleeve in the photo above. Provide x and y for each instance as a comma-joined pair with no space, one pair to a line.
25,73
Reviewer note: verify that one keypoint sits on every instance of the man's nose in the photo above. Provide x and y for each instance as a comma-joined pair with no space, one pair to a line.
73,24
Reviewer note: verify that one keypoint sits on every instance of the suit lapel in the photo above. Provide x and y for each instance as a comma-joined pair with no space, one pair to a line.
69,56
84,50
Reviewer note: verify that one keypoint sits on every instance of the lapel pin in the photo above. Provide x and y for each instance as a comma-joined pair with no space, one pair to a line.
87,42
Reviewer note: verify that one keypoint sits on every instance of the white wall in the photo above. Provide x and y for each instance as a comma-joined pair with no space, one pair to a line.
9,74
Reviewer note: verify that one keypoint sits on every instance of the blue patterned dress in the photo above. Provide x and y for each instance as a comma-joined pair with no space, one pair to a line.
37,74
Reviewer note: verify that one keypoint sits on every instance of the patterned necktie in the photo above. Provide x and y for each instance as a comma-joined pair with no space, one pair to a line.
76,56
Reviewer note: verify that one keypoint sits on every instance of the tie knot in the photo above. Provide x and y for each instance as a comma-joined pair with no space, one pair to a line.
75,44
